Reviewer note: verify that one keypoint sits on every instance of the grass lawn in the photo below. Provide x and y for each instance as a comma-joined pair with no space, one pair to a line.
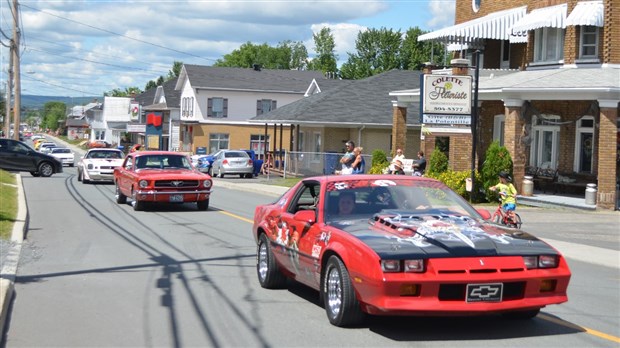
8,203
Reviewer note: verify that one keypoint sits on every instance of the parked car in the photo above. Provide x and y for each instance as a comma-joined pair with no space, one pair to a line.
99,144
161,177
232,162
402,245
18,156
47,148
39,144
98,165
65,155
203,162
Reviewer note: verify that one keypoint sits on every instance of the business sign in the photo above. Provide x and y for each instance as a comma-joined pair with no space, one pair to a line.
134,111
447,94
446,119
136,128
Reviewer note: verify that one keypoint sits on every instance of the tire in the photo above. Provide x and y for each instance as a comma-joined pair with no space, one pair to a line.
269,275
71,165
203,205
35,174
79,175
210,172
517,221
249,176
137,205
340,301
46,169
83,179
242,176
522,315
120,197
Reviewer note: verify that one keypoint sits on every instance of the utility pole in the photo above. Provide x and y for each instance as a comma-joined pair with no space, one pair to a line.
9,88
16,64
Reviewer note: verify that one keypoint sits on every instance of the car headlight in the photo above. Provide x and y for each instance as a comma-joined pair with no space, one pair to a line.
89,166
207,183
143,183
540,261
407,266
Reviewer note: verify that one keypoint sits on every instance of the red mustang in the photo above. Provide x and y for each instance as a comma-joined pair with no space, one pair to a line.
402,245
161,176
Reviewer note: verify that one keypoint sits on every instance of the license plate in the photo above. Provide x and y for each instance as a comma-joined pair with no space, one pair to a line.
485,292
176,198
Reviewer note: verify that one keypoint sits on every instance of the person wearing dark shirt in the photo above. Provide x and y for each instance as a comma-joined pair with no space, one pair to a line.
419,166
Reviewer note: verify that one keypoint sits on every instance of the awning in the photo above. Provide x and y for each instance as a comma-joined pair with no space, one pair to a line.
546,17
587,13
495,25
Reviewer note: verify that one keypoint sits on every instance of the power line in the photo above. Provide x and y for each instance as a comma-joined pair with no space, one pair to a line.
121,35
59,86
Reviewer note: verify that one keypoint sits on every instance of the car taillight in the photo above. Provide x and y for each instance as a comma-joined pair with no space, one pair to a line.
225,161
250,162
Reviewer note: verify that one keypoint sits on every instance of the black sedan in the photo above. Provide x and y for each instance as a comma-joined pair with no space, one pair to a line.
17,156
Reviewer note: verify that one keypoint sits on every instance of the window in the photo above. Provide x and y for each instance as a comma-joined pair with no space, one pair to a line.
217,107
218,141
548,45
588,47
258,144
187,105
475,5
99,135
545,141
300,142
505,61
498,129
584,145
263,106
317,146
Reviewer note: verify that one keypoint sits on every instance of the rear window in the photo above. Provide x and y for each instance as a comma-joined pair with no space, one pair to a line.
61,151
236,154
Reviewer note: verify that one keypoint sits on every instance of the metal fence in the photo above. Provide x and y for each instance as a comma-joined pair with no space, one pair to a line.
305,164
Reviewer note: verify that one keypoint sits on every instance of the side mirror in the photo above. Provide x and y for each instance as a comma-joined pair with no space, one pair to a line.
308,216
484,213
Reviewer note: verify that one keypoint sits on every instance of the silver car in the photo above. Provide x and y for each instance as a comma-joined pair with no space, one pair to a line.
232,162
64,154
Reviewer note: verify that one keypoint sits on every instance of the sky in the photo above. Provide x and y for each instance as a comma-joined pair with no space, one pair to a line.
80,48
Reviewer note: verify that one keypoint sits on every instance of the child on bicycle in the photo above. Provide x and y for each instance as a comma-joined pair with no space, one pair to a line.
507,193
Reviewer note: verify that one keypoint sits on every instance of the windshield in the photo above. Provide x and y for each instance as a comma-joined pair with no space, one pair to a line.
61,151
162,162
364,199
105,154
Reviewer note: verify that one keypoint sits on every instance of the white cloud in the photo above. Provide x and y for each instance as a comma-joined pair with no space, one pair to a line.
442,13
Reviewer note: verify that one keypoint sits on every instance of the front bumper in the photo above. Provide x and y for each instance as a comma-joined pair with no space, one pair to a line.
167,196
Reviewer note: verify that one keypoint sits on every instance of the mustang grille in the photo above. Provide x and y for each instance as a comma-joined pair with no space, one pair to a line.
456,292
177,184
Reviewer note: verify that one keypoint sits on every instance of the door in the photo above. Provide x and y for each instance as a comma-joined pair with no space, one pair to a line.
544,147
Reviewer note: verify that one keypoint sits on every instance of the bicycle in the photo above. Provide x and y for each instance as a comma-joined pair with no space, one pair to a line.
500,216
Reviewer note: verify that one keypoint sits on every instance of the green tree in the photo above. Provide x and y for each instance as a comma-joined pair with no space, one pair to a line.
175,71
378,50
437,163
54,113
414,53
117,92
287,55
496,160
324,46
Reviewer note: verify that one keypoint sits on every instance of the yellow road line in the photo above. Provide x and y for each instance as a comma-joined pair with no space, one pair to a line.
237,216
580,328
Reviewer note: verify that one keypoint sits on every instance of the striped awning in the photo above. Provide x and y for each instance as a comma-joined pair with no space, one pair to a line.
587,13
495,25
546,17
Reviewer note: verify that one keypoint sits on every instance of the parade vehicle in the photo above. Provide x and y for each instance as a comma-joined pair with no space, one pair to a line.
97,165
161,177
402,245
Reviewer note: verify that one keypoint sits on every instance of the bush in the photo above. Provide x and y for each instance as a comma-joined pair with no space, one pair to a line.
379,162
437,163
497,159
456,180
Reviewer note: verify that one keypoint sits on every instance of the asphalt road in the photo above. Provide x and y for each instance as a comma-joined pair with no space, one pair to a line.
94,273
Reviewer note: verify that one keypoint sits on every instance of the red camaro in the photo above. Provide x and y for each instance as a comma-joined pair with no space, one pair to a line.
161,176
402,245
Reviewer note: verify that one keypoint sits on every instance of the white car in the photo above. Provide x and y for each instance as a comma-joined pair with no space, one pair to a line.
64,154
98,165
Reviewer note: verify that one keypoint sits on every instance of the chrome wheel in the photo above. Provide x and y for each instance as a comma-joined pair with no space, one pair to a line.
262,267
334,291
269,275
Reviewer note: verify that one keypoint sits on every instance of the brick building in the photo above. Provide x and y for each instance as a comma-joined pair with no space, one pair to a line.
548,88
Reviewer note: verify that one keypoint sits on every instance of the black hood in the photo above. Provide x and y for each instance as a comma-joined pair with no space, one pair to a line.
403,235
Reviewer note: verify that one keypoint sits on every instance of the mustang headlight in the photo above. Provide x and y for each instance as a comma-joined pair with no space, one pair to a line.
407,266
143,183
207,183
541,261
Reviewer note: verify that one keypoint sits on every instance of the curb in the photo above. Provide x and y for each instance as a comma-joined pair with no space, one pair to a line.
9,269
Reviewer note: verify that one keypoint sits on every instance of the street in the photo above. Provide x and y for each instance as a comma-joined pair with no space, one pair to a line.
95,273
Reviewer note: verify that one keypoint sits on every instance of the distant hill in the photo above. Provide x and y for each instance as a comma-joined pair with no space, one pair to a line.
38,101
